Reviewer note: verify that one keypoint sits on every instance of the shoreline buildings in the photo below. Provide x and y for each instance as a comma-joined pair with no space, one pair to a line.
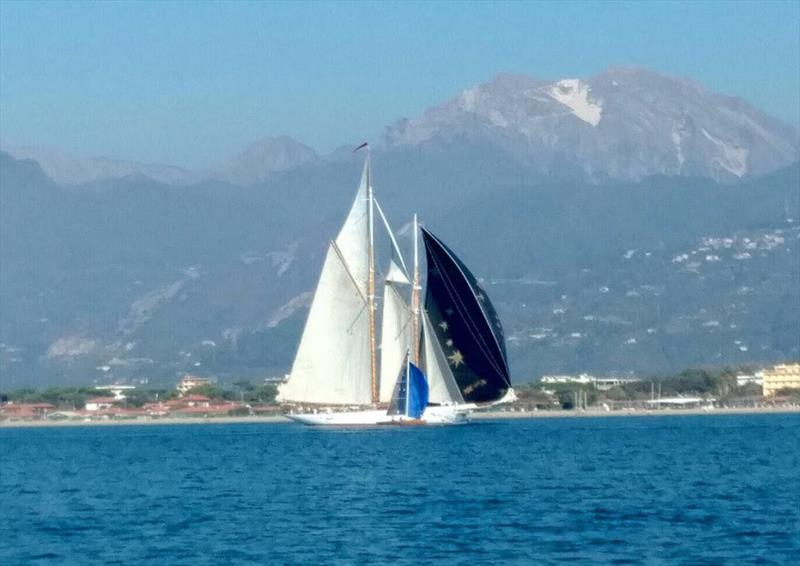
600,383
782,376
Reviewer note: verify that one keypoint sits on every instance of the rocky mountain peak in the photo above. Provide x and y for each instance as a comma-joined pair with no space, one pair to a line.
262,158
624,123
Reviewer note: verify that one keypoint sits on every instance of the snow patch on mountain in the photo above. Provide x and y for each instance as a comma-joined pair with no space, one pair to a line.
69,346
303,300
574,94
677,139
143,308
731,158
281,260
468,97
497,118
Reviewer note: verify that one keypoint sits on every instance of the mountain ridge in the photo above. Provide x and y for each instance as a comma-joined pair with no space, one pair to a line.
624,123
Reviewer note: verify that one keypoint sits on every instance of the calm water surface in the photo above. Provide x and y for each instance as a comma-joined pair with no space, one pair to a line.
629,490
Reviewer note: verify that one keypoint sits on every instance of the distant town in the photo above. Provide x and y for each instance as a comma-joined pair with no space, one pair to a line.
194,397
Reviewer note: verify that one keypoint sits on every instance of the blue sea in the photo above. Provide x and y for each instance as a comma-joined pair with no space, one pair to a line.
629,490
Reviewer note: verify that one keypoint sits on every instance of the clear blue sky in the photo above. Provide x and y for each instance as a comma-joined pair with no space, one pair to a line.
191,84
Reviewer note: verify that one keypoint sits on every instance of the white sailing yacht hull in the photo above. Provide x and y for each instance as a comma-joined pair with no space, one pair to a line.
433,416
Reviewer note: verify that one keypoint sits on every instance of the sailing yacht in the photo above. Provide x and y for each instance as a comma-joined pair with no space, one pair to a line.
455,342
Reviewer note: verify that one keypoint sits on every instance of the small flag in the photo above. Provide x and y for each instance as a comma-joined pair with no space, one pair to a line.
363,145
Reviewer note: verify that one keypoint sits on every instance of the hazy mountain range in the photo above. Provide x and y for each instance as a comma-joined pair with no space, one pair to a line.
623,124
624,222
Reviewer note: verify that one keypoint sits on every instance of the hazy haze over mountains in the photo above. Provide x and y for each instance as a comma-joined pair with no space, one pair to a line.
624,222
623,124
261,158
67,169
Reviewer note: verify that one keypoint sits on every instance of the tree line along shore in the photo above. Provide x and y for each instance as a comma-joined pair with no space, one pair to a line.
687,390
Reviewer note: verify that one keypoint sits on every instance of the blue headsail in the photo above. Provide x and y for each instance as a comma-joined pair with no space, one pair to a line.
410,396
417,392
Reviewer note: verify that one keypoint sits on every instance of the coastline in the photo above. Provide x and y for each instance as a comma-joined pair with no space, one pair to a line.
476,416
501,415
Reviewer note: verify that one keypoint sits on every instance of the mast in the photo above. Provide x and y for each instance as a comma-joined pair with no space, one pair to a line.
408,383
371,285
415,289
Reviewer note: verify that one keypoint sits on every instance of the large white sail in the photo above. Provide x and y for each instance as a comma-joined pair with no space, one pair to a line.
442,384
395,337
332,365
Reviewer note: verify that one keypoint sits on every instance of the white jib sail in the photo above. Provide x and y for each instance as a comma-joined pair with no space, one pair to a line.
441,383
397,267
395,338
332,365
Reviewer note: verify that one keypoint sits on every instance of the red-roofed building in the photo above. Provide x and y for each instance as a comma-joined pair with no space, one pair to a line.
196,401
25,411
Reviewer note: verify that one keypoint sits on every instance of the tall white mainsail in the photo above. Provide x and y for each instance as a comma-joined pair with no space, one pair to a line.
333,364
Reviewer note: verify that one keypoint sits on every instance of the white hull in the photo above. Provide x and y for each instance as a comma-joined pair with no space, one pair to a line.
447,415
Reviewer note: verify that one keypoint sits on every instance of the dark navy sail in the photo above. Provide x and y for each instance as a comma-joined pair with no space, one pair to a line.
466,324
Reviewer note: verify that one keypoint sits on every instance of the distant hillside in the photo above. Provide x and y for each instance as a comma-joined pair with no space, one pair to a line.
132,278
67,169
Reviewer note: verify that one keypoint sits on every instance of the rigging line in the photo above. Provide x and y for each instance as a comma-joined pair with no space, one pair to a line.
391,237
347,269
405,309
356,319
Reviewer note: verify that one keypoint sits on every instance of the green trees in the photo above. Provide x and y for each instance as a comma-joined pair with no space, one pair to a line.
73,398
61,397
242,390
213,391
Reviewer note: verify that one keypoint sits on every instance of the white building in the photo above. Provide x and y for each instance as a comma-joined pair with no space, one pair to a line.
116,390
782,376
189,382
602,383
582,378
743,379
100,403
606,383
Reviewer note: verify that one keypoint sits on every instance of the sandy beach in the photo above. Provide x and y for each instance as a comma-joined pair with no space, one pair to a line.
476,416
